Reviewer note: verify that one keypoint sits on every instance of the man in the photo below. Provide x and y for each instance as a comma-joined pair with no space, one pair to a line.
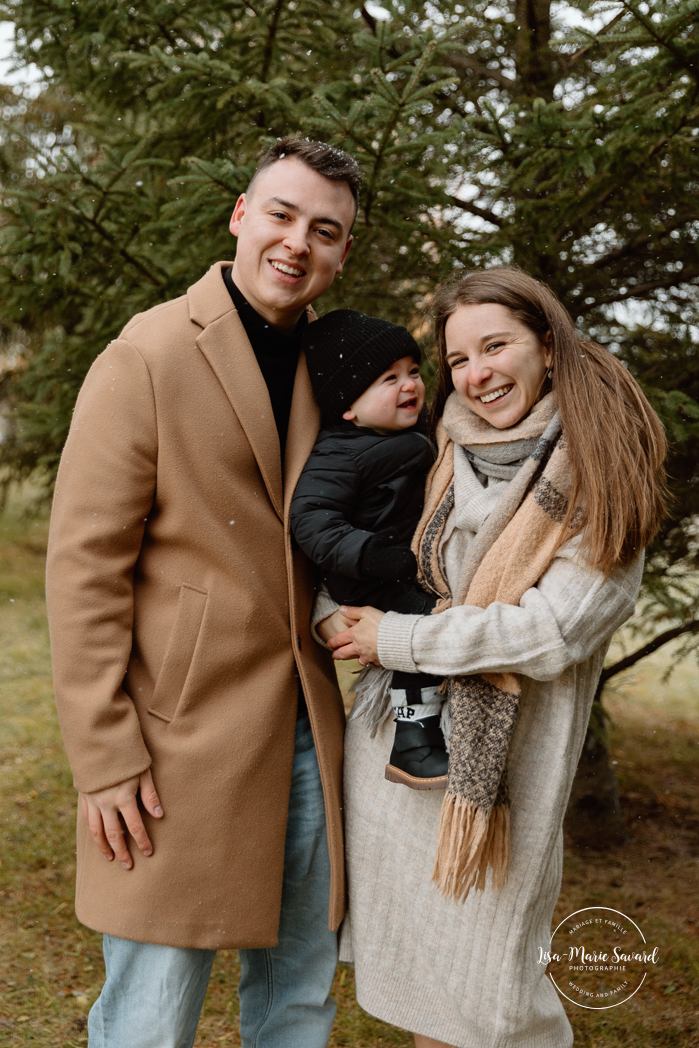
192,698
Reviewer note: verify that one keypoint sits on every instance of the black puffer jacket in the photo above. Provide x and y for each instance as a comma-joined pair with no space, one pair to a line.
354,511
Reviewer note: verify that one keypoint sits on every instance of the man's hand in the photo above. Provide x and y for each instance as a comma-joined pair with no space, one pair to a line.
361,640
103,808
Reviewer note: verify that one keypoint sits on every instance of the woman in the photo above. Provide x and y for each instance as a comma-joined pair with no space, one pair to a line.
547,487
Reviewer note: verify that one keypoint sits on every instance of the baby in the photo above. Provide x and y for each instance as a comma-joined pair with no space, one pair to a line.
359,499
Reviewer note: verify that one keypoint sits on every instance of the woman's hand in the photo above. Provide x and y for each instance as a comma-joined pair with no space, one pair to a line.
361,641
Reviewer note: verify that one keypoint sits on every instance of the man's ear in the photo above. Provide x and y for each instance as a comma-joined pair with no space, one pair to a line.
238,212
349,415
348,245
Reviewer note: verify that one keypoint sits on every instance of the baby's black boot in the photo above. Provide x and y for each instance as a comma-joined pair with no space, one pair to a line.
419,758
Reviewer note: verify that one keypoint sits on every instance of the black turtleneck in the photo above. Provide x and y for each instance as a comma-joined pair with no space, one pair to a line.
277,356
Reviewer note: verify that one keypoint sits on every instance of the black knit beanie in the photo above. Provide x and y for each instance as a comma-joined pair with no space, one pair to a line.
346,351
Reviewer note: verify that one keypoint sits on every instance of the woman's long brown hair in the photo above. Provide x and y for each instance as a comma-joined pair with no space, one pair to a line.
615,441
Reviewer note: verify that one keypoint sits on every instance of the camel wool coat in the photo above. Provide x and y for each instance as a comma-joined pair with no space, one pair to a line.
179,617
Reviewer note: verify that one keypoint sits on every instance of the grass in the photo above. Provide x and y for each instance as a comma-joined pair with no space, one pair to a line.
51,967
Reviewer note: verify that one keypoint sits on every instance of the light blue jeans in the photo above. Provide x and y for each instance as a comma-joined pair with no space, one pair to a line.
153,995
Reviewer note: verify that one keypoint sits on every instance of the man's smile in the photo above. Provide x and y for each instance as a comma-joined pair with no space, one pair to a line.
288,268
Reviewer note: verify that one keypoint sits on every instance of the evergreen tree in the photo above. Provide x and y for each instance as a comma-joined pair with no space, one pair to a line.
173,104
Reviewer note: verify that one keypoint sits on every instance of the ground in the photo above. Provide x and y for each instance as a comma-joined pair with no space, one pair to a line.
51,967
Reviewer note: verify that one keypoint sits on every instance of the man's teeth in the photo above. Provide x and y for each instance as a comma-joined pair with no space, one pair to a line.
288,269
495,394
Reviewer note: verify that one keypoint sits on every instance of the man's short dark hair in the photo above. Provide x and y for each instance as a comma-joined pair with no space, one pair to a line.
327,160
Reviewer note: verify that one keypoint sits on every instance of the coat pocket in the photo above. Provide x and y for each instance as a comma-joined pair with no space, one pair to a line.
180,651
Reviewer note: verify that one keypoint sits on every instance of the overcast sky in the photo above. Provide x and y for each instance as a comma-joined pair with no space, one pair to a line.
6,40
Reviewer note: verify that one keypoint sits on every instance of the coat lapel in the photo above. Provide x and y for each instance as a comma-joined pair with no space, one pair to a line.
226,347
304,423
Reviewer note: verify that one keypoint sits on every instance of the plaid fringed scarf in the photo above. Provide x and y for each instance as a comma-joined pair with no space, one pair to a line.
510,552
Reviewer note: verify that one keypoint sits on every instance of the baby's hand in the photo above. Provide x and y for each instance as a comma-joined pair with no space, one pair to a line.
392,563
334,624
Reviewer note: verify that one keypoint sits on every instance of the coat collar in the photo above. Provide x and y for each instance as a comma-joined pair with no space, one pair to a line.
226,347
209,299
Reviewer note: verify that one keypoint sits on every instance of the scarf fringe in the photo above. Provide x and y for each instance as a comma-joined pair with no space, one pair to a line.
469,841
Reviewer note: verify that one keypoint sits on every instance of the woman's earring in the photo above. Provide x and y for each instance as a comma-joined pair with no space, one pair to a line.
550,375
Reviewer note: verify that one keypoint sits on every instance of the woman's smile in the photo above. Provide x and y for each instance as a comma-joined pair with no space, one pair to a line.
496,394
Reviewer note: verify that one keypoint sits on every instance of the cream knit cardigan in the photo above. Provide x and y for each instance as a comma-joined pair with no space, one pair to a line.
467,973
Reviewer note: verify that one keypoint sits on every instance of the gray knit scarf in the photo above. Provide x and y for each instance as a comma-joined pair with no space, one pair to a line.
510,552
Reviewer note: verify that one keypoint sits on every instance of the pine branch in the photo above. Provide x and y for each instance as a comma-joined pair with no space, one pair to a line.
602,32
574,227
395,53
682,124
99,228
401,104
167,34
648,649
181,32
473,209
658,145
637,291
369,19
661,40
638,245
206,172
472,65
493,126
103,191
126,255
269,43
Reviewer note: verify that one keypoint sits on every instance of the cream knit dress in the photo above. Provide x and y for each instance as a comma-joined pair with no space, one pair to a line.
467,973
